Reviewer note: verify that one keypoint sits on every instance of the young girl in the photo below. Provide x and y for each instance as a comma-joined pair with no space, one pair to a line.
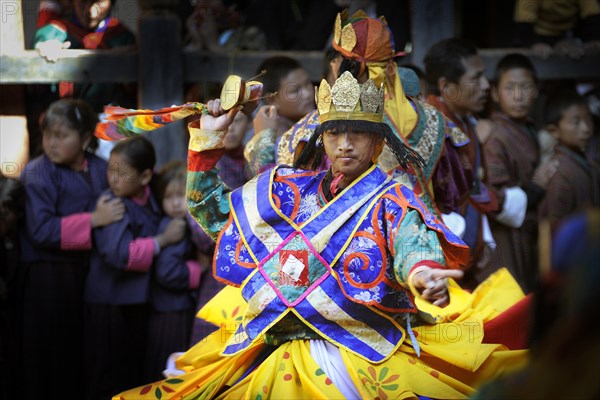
176,276
61,209
117,287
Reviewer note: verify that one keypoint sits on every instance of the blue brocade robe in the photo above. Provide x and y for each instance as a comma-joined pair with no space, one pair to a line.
340,267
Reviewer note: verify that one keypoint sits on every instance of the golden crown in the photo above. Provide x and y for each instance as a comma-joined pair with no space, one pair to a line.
349,100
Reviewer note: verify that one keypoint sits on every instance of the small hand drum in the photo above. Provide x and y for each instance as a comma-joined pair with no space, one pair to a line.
237,91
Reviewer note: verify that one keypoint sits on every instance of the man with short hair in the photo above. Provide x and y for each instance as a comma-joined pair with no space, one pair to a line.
459,88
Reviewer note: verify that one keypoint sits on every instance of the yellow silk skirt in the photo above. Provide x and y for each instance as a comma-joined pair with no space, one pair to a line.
453,361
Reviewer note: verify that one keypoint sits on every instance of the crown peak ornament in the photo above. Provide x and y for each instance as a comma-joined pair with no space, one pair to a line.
349,100
345,93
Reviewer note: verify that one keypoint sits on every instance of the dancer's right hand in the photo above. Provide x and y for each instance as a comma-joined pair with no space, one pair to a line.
217,119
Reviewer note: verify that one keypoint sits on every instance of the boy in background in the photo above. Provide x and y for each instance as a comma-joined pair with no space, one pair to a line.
513,169
576,184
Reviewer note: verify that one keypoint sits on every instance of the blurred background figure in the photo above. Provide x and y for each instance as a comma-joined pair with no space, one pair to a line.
290,95
563,27
576,183
88,25
565,347
49,10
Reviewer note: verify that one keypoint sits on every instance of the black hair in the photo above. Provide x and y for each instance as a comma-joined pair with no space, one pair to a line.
138,152
445,59
313,152
514,61
12,195
175,170
558,101
276,69
78,115
351,65
330,55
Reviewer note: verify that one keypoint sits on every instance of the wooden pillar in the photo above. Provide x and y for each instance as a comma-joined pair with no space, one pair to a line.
160,81
432,21
11,39
14,137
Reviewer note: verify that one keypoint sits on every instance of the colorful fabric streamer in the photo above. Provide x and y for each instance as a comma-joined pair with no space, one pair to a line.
121,123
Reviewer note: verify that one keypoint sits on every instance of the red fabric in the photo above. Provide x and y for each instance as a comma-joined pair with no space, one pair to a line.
360,28
373,40
47,16
511,328
468,153
65,89
75,232
333,186
204,160
144,199
426,263
195,272
92,40
49,10
141,255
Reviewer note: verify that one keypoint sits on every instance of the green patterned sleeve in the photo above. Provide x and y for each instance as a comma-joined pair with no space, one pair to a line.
207,195
260,151
208,200
414,245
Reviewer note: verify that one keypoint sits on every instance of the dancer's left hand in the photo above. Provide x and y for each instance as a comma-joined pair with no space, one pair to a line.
432,284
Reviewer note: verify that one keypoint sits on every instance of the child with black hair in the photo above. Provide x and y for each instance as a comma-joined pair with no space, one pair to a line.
514,170
62,207
117,286
576,184
175,277
292,96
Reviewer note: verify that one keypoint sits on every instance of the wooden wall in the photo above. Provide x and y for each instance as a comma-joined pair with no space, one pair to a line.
162,67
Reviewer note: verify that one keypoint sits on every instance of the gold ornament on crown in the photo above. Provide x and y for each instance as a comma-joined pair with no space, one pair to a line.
349,100
337,30
348,39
